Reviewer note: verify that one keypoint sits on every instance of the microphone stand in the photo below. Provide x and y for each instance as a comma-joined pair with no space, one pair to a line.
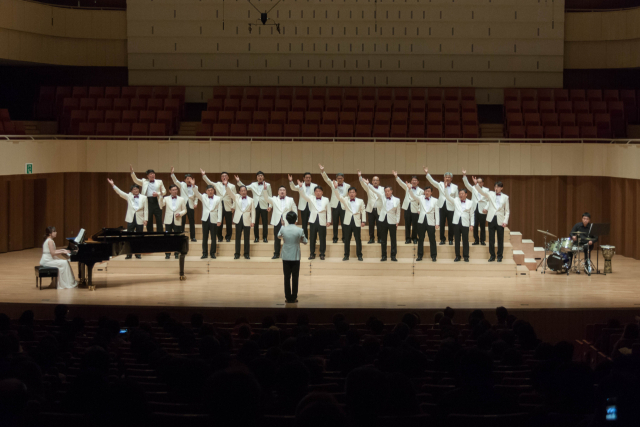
544,260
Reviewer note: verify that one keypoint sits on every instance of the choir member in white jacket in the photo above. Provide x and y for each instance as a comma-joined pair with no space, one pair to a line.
137,209
281,205
411,208
227,192
176,208
309,189
211,218
186,192
244,214
388,219
374,205
337,210
152,188
480,214
319,217
262,213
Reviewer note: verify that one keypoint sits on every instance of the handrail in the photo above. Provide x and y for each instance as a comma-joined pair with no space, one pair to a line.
76,7
18,138
602,10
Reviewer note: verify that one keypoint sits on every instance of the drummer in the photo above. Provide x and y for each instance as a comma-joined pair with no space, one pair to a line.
580,235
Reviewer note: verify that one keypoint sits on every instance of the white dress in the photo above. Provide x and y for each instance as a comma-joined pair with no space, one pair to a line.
66,280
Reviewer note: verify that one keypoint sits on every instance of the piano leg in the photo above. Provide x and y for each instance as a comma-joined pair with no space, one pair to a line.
182,276
81,274
90,285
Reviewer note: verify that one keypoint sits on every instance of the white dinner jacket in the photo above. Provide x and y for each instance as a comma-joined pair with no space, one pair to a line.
393,215
248,215
278,215
142,213
503,212
257,190
192,200
169,213
432,213
324,213
211,209
463,212
344,190
302,203
144,183
373,201
226,193
359,213
415,205
442,199
481,201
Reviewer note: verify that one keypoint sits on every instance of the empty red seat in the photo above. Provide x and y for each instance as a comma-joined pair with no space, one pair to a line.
535,132
529,107
580,107
121,104
418,106
285,93
380,131
295,118
615,108
590,132
512,107
434,107
282,105
332,105
274,130
418,94
318,93
549,119
220,129
179,93
598,107
553,132
363,131
516,132
451,94
261,117
238,129
382,118
401,106
87,104
570,132
327,131
79,92
96,92
452,131
335,93
256,129
160,92
350,105
147,117
384,106
401,94
173,105
138,104
292,131
344,131
127,92
434,119
368,94
470,131
302,93
577,95
544,95
309,131
316,105
95,116
220,92
226,117
112,116
144,92
511,95
566,119
417,118
166,118
532,119
367,106
603,124
564,107
547,107
244,117
365,118
330,118
399,119
452,107
208,117
347,118
584,120
594,95
203,129
514,119
267,105
231,104
385,94
313,118
434,131
278,118
299,105
140,129
122,129
560,95
468,94
434,94
416,131
157,129
235,93
104,129
469,106
452,119
104,104
87,129
469,119
398,131
111,92
76,117
527,95
610,95
252,93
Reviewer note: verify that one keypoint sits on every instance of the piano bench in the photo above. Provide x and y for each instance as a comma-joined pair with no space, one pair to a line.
46,272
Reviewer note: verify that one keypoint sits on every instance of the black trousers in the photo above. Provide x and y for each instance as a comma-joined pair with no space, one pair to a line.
347,231
446,217
479,220
430,230
316,229
304,217
291,271
410,221
192,222
209,227
276,240
385,227
372,218
134,226
261,214
246,229
461,231
154,212
493,228
172,227
227,217
337,215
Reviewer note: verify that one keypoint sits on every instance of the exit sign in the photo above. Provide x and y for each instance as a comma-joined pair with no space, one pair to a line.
28,168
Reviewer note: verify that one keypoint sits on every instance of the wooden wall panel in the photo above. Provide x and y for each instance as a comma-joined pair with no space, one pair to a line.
16,216
28,213
4,216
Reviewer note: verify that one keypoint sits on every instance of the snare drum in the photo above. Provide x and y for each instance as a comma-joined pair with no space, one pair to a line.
566,244
554,246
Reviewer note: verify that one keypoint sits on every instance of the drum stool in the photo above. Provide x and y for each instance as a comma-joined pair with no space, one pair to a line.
46,272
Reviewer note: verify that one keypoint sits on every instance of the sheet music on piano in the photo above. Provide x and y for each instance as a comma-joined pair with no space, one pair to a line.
80,236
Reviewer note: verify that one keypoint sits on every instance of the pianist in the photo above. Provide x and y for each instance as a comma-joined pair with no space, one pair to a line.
52,257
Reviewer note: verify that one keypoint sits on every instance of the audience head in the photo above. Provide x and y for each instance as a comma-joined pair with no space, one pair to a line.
501,314
197,320
449,313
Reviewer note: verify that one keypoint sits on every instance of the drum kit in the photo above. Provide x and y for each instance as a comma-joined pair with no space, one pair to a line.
565,255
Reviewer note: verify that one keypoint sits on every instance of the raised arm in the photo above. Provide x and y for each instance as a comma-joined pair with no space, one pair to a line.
326,178
291,184
134,177
434,182
411,194
266,198
304,195
197,193
118,191
466,182
481,190
174,179
207,180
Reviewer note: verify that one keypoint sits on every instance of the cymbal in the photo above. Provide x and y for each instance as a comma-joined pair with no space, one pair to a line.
547,233
578,232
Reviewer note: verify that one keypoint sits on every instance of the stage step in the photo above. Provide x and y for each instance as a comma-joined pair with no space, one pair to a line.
518,257
527,248
330,267
538,253
515,238
523,270
530,263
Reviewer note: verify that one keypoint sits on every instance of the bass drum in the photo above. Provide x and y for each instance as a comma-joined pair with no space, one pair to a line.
558,262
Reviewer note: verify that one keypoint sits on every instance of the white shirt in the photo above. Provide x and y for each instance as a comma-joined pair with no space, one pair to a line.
283,200
308,189
389,203
353,205
342,189
463,203
224,189
174,200
190,190
427,203
319,203
210,199
498,200
136,202
244,203
151,188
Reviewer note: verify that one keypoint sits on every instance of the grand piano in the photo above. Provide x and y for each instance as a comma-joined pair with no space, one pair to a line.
111,242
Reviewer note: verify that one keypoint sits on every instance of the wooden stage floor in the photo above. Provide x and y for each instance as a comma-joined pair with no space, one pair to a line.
248,288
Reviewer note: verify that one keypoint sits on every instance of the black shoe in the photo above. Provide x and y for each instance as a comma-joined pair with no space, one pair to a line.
213,256
419,259
322,257
457,259
384,258
475,244
346,258
265,240
433,259
228,239
499,259
379,241
204,256
483,243
407,242
466,259
371,241
291,301
138,256
360,258
394,259
450,242
492,258
167,256
247,257
275,256
442,242
256,240
128,257
335,240
236,256
415,241
220,240
193,240
312,257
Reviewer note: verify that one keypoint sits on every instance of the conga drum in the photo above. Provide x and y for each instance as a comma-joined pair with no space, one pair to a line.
608,252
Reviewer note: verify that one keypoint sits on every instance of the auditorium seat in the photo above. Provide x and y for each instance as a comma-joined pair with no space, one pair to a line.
302,93
417,106
564,107
76,117
452,131
295,118
226,117
367,106
580,107
4,115
363,131
282,105
366,118
334,93
416,118
594,95
274,130
70,104
330,118
452,107
130,116
384,106
347,118
173,105
529,107
79,92
112,116
256,129
87,129
220,129
416,131
547,107
380,131
511,95
452,119
570,132
87,104
179,93
512,107
399,119
350,106
232,104
532,119
235,93
401,94
332,105
434,94
382,118
203,129
434,119
368,94
266,105
219,92
121,104
434,107
318,93
167,118
299,105
160,92
565,119
104,104
470,119
553,132
238,129
545,95
584,120
309,131
610,95
535,132
285,93
470,131
327,131
157,129
122,129
549,119
138,104
252,93
208,117
385,94
105,129
144,92
249,105
398,131
469,107
313,118
344,131
128,92
590,132
577,95
527,95
95,116
140,129
516,132
261,117
468,94
147,117
418,94
96,92
514,119
560,95
316,105
244,117
434,131
598,107
401,106
603,124
278,118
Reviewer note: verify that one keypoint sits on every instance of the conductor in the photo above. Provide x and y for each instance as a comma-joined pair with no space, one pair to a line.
291,236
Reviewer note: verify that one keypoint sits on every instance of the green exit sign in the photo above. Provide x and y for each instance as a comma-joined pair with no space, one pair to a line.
28,168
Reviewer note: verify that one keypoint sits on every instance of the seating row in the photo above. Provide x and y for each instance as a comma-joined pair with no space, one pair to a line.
121,129
605,125
76,117
557,132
